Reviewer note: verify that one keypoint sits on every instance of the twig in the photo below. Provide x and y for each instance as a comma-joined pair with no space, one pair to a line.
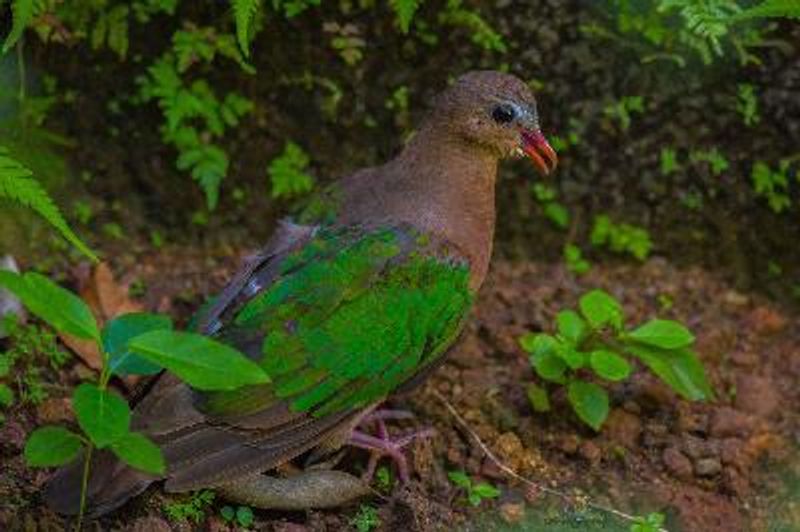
513,474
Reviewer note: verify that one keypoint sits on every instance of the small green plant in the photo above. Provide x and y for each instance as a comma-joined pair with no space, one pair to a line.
652,522
716,161
623,110
574,260
669,161
191,509
481,33
33,348
17,185
288,172
366,519
476,492
241,515
747,104
621,238
346,39
772,184
597,342
383,479
130,344
194,116
555,211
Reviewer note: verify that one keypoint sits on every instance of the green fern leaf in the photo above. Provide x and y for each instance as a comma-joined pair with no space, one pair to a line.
17,184
244,11
772,8
23,12
405,9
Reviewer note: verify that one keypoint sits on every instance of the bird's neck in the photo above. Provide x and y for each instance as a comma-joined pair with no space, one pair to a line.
444,185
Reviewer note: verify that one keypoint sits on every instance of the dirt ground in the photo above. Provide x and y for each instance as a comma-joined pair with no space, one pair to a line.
724,466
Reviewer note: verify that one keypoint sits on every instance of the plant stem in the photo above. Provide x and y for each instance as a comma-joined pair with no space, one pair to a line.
84,484
21,72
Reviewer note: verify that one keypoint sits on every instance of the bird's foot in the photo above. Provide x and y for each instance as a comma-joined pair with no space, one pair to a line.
382,444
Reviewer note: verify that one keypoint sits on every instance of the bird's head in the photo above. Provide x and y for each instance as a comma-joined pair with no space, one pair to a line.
498,112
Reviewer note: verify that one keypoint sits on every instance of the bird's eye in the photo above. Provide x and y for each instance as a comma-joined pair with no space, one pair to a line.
503,114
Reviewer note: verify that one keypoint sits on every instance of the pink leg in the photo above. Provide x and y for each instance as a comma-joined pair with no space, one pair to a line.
383,445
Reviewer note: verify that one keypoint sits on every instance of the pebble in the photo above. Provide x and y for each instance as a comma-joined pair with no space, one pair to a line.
512,513
707,467
756,395
766,321
726,422
677,463
591,452
623,427
55,410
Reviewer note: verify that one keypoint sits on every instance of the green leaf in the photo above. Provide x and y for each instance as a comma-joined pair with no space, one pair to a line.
574,358
600,309
203,363
544,357
405,9
243,13
119,331
571,326
6,396
244,516
227,513
474,499
460,479
18,185
538,397
59,307
23,12
104,416
666,334
679,368
486,491
136,450
609,365
51,446
589,401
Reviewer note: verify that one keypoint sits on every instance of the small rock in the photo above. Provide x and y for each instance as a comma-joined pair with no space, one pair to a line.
150,524
697,448
727,421
509,447
746,359
677,463
735,299
730,452
569,444
623,428
512,512
756,395
735,482
590,451
691,420
707,467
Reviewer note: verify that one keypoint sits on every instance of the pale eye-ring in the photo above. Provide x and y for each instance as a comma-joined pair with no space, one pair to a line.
504,113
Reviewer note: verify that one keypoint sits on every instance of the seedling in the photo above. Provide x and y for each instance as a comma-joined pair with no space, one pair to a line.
596,341
191,509
652,522
131,344
242,515
366,519
476,493
621,237
574,260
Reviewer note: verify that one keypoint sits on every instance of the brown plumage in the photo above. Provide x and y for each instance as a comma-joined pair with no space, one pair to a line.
442,184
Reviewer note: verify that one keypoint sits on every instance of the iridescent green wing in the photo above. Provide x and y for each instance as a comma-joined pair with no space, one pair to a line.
346,319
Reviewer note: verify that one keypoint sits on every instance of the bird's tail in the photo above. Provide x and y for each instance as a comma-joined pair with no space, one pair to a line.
110,484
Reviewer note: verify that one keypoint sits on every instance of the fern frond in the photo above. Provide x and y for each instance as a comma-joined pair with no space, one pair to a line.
771,9
23,12
244,11
405,9
17,184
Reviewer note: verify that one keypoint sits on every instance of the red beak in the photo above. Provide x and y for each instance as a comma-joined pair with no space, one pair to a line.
536,147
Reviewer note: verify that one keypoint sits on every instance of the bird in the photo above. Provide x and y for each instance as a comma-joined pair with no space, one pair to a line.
340,314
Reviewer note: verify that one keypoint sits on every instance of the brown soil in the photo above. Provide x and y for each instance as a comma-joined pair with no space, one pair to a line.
718,466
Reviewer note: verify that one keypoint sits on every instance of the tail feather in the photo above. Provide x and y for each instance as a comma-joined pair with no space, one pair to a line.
111,484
